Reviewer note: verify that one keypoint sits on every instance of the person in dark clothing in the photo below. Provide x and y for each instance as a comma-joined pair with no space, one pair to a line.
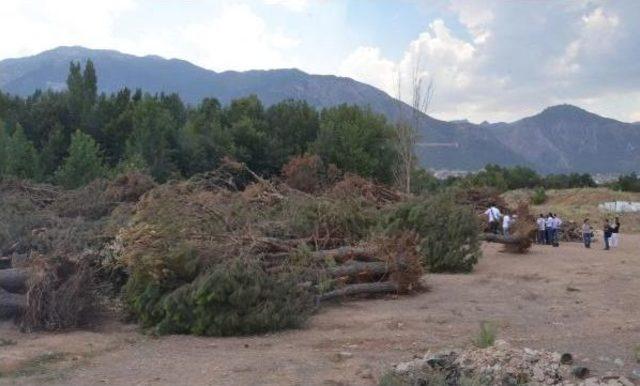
607,234
615,230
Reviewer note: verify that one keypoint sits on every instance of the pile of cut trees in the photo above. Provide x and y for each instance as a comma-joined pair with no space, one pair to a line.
13,286
349,271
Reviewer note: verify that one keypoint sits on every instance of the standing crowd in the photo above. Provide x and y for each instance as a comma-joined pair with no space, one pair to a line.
610,233
549,228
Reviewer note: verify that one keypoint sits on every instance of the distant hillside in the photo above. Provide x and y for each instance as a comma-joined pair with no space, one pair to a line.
567,138
560,139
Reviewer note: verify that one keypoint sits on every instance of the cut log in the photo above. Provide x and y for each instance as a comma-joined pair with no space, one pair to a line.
346,253
340,255
11,305
13,280
500,239
5,262
357,268
360,289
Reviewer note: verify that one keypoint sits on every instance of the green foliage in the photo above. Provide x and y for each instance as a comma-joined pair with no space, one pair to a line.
3,149
348,218
628,183
21,156
203,140
54,150
424,182
539,196
486,336
357,140
449,233
519,177
293,126
83,164
237,298
568,181
153,137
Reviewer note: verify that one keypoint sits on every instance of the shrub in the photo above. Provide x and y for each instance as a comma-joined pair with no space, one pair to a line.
61,294
237,298
304,173
486,335
539,196
449,233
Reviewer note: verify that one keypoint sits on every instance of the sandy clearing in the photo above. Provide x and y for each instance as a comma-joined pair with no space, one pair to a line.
526,295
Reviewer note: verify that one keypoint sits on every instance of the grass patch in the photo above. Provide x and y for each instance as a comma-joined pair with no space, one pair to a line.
7,342
636,353
39,364
486,336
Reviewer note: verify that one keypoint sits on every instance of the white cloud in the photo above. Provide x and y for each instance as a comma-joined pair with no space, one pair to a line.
367,65
31,26
237,38
292,5
516,58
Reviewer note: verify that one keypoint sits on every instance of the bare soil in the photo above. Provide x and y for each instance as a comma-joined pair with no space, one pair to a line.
568,299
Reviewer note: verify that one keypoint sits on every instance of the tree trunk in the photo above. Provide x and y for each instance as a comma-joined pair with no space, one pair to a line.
355,268
360,289
11,304
13,280
340,255
500,239
5,262
346,253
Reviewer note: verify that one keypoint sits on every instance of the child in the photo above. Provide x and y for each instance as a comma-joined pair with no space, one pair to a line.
506,223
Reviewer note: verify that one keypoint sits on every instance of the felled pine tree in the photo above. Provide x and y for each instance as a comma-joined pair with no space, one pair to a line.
449,232
83,164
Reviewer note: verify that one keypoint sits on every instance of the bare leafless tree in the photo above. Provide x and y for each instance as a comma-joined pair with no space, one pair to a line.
408,124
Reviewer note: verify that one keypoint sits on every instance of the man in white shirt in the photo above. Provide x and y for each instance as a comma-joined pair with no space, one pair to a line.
493,215
557,222
542,224
549,223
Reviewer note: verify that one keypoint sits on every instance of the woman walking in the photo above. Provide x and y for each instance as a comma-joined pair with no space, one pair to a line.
586,233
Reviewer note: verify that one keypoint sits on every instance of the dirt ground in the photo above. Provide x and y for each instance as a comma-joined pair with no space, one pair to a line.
569,299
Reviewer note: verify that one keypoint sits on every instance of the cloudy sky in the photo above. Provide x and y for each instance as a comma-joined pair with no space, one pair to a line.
490,60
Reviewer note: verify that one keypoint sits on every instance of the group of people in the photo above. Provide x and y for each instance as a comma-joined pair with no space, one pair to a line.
548,228
496,218
610,233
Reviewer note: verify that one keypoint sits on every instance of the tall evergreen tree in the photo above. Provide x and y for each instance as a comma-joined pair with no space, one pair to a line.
54,150
83,164
3,148
153,138
22,157
89,85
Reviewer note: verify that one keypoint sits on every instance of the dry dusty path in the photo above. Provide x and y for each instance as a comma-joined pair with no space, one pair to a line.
568,299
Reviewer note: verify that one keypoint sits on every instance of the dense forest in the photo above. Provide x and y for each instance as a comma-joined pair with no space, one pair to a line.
74,136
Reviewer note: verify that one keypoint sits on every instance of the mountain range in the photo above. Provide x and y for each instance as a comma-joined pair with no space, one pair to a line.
561,138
